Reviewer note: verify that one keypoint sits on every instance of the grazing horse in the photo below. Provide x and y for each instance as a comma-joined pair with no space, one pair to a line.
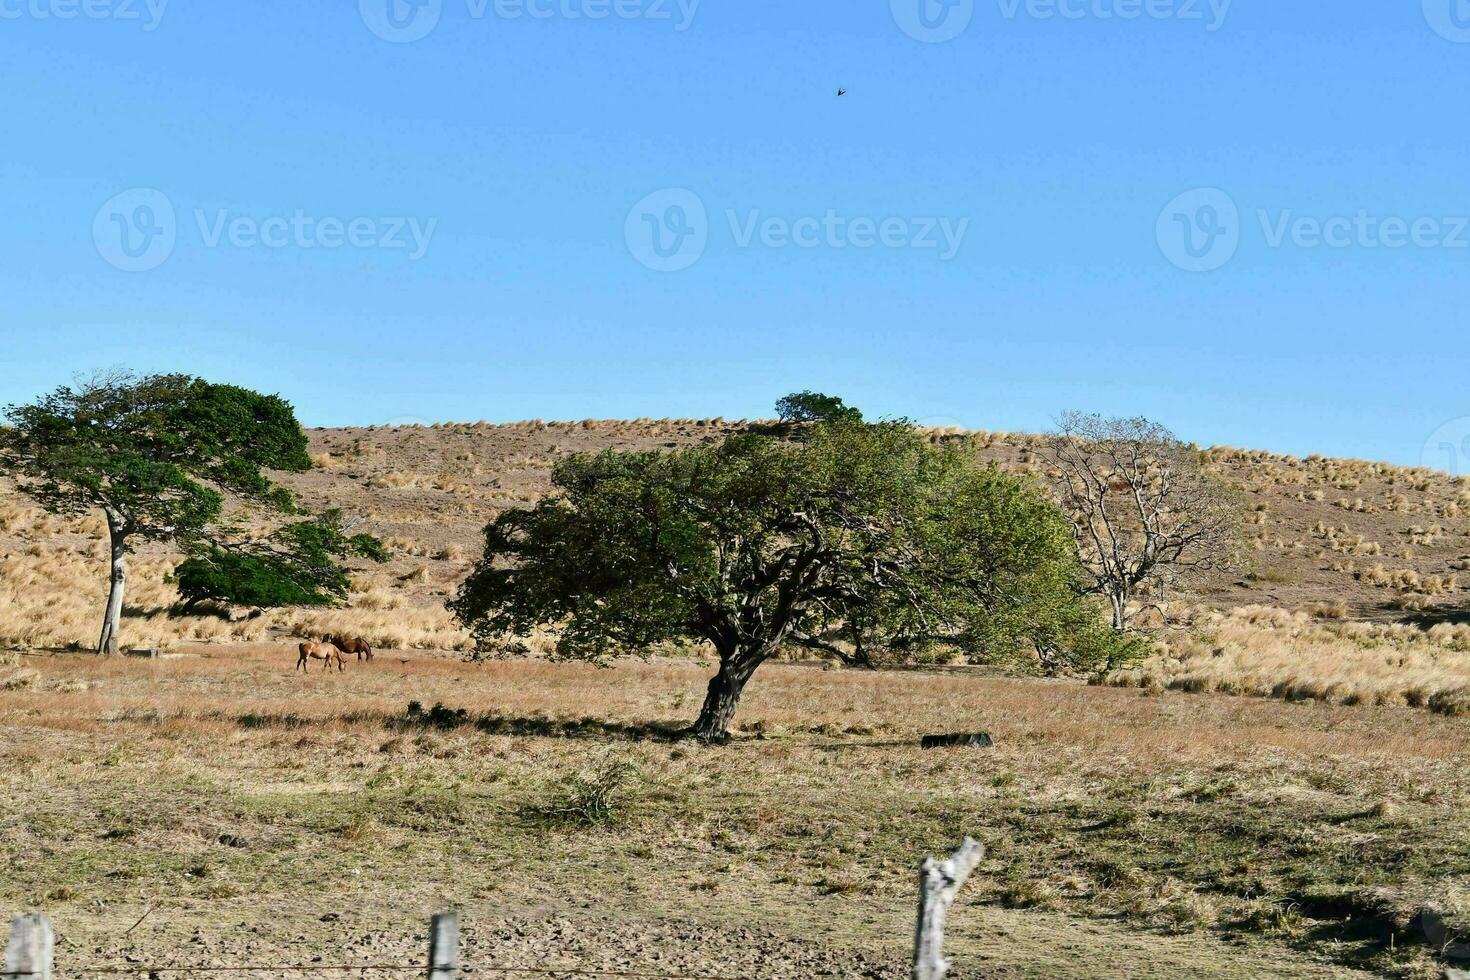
352,644
325,652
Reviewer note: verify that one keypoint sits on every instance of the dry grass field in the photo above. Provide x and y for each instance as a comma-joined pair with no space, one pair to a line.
268,816
1278,791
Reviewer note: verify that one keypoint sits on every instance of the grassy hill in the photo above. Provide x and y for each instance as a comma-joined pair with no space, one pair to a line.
1348,559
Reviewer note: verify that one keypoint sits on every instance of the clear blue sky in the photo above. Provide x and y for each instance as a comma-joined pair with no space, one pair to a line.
520,136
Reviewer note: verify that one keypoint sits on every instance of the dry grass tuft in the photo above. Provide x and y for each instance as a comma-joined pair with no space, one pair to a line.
1311,655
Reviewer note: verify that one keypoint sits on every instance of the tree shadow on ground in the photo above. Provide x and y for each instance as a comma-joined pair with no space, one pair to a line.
144,612
441,718
1451,616
831,743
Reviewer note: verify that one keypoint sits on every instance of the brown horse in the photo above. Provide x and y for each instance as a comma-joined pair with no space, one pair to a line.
352,644
325,652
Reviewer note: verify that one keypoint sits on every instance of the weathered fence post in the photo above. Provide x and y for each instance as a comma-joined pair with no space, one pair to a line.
444,947
28,955
939,882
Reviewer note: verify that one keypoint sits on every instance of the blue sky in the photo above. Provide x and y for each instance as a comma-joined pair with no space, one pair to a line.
269,163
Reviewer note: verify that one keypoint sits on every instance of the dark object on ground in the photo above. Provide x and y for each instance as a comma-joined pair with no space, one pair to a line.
979,740
438,716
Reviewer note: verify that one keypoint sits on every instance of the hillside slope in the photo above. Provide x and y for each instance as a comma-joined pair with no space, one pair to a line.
1333,540
1384,541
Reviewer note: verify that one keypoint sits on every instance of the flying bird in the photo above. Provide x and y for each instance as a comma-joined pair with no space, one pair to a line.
841,92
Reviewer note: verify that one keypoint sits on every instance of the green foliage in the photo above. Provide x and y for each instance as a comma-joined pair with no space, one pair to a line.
298,567
813,406
244,579
156,453
593,798
861,540
369,547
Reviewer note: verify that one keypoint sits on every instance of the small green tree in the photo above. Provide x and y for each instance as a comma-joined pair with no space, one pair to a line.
860,539
813,406
156,455
298,566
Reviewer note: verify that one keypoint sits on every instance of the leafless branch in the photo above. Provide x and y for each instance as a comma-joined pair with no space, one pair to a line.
1144,513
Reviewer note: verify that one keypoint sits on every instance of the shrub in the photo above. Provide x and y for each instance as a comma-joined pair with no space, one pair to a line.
593,798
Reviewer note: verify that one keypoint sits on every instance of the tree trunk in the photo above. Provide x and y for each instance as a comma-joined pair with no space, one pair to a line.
107,644
1119,602
723,697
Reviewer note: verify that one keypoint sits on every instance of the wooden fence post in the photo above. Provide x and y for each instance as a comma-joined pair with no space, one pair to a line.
939,883
444,947
28,955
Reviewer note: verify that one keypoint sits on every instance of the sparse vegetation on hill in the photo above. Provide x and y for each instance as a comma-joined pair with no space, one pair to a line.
1305,555
1311,655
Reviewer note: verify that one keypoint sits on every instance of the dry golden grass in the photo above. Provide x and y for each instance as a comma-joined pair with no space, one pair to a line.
1313,655
1117,817
53,589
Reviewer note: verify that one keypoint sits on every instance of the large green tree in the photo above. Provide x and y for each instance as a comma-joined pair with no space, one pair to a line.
858,540
157,455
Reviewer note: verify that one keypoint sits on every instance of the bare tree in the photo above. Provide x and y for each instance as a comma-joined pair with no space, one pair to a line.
1144,512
